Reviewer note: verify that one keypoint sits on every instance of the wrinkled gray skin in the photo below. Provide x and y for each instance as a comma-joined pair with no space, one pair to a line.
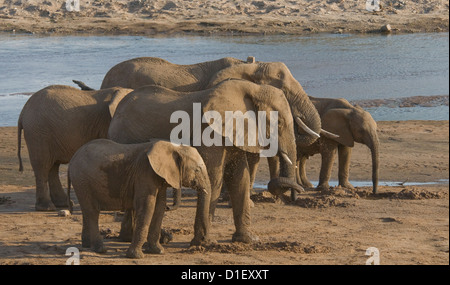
143,71
352,124
56,121
145,113
111,176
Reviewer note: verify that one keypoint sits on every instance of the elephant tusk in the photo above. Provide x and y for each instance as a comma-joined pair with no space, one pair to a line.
285,157
305,127
328,134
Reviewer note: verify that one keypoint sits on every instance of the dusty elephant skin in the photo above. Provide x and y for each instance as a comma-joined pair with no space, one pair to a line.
111,176
143,71
145,113
351,124
56,121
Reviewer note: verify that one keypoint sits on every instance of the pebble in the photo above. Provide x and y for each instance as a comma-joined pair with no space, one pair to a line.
386,28
64,213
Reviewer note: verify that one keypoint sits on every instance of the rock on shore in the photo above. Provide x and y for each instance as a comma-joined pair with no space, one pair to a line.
166,17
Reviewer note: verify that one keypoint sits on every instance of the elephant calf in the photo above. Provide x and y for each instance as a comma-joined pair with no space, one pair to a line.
111,176
351,124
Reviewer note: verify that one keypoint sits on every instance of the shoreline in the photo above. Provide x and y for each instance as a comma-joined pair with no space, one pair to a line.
221,17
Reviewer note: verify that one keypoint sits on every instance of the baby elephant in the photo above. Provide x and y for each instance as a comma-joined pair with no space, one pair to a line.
111,176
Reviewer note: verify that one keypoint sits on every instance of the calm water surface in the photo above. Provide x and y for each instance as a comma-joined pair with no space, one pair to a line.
351,66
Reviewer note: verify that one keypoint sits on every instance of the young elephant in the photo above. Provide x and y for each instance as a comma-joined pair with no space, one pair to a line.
351,124
56,121
111,176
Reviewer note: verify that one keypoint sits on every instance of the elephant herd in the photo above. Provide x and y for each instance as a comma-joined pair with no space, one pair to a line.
118,142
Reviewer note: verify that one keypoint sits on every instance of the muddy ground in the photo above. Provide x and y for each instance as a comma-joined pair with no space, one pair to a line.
407,224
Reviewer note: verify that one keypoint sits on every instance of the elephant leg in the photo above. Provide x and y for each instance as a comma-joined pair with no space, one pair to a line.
274,166
57,194
41,168
144,207
176,199
237,179
328,152
253,162
302,178
154,233
127,226
214,158
344,153
90,234
202,221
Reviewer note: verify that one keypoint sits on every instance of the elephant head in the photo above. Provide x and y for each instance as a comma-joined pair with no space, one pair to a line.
259,99
278,75
181,166
355,125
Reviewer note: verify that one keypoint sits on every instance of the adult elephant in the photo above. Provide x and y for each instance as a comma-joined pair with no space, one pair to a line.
143,71
146,113
351,124
56,121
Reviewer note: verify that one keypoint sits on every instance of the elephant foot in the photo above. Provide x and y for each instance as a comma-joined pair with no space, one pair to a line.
134,253
307,184
244,238
204,241
98,247
165,237
323,187
154,249
45,206
346,185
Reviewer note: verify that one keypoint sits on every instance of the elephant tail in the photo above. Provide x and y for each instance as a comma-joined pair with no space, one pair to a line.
69,202
82,85
19,142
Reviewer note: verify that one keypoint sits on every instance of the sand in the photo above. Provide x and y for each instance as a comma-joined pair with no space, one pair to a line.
407,224
216,17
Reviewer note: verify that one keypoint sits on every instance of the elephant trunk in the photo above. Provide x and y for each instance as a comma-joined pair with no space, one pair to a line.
201,225
279,185
373,145
287,177
303,110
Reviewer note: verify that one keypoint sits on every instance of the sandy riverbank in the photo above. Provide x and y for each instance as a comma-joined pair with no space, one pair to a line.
408,224
169,17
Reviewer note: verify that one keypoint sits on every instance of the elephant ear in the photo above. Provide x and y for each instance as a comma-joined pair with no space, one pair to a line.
166,162
117,96
336,121
221,111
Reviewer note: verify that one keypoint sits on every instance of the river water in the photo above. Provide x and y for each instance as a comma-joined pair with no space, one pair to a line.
355,67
